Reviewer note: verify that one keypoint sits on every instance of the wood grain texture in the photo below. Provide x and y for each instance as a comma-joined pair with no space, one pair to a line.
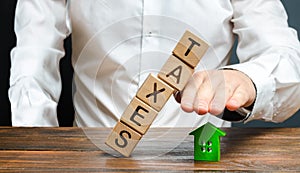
176,73
70,150
155,92
138,115
123,139
190,49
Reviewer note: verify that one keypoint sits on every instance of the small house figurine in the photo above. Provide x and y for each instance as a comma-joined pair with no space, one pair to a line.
207,142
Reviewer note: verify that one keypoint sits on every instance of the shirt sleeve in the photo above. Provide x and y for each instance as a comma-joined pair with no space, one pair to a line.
35,83
269,53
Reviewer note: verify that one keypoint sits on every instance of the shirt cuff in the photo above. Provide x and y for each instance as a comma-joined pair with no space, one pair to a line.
35,116
265,89
30,105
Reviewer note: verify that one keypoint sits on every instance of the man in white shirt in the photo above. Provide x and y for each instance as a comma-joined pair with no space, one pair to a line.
117,43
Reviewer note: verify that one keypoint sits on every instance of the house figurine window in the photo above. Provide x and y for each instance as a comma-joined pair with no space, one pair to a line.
207,142
206,146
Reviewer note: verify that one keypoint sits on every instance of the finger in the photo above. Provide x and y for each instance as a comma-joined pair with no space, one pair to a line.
203,97
220,98
238,99
189,93
222,95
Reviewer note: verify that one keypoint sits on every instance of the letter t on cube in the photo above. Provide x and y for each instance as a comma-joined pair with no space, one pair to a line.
190,49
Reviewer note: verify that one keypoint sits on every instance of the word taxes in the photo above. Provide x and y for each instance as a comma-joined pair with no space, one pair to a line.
155,92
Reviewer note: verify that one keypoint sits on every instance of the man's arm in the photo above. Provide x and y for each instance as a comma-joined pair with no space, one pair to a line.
269,54
35,83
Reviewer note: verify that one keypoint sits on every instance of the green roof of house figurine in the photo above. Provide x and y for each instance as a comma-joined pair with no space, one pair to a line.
207,143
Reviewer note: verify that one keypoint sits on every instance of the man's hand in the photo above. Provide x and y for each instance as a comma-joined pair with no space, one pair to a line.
212,91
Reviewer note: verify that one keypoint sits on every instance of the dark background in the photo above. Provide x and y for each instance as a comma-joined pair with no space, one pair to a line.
65,107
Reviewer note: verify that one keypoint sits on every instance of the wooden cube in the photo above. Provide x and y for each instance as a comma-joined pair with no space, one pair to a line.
123,139
190,49
155,92
139,116
176,73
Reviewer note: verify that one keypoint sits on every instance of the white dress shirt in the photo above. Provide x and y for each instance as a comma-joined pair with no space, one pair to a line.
117,43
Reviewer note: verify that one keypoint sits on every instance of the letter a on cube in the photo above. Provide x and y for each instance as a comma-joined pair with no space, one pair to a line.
176,73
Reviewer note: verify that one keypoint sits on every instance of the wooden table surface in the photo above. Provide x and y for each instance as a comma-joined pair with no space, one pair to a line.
163,150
